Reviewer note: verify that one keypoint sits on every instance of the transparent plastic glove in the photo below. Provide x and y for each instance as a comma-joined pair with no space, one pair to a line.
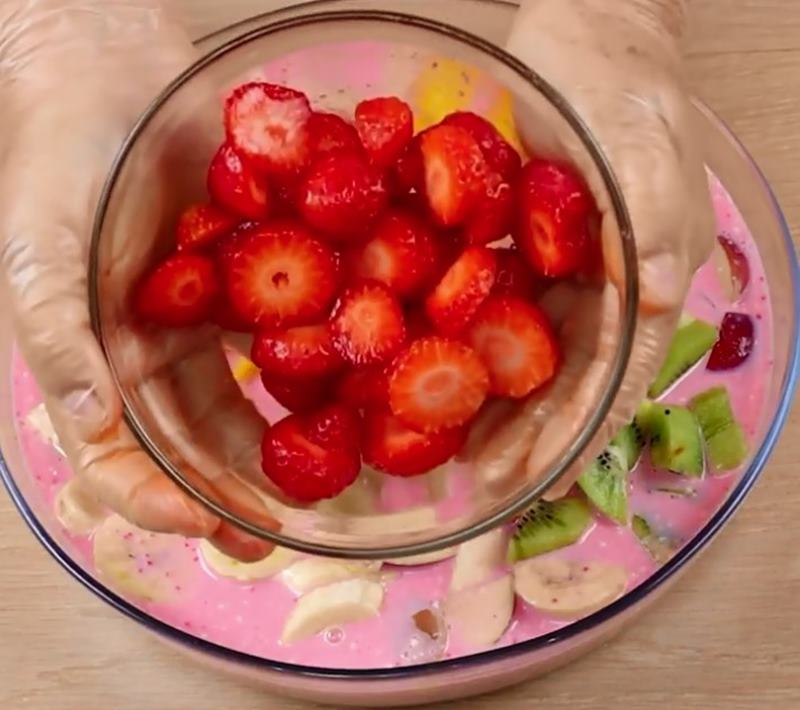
618,63
74,75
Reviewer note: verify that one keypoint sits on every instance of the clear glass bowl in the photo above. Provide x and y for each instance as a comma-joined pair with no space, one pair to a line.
337,59
490,670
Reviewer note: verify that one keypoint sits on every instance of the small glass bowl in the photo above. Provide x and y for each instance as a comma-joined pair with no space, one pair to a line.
337,58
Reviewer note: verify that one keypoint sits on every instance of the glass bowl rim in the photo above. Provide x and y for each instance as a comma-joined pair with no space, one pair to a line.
625,603
589,142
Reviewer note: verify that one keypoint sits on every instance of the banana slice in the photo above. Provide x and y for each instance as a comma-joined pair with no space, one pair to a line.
149,566
569,589
221,564
480,615
39,420
479,559
78,511
426,559
314,572
334,605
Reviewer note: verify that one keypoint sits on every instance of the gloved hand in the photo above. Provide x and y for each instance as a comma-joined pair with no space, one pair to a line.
74,75
619,65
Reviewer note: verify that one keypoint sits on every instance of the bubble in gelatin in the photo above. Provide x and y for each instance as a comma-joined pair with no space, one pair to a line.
334,635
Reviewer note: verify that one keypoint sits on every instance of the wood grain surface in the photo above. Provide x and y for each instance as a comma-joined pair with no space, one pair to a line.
727,635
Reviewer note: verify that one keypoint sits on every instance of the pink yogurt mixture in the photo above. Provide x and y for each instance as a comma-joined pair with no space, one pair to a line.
248,617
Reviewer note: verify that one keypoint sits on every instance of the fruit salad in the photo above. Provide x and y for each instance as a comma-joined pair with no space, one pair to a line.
391,279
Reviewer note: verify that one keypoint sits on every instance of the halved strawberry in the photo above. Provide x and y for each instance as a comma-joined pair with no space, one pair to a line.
385,126
300,395
200,225
555,210
392,447
268,125
342,195
514,276
516,343
499,154
303,351
364,387
493,217
313,456
234,185
459,294
402,253
367,325
277,275
437,383
455,173
330,133
223,314
179,292
408,173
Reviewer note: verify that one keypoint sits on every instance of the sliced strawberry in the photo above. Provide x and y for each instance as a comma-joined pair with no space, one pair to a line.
386,127
514,276
516,343
313,456
268,125
368,326
735,344
364,387
417,324
234,185
493,217
303,351
555,210
455,173
179,292
330,133
278,275
408,173
732,266
392,447
459,294
402,253
201,225
297,395
342,195
437,383
223,314
499,154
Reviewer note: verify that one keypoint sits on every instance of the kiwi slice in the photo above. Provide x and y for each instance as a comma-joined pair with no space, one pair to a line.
725,440
605,482
674,434
659,548
693,339
548,526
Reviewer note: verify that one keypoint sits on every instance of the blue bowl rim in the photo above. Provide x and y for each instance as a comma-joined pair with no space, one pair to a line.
622,605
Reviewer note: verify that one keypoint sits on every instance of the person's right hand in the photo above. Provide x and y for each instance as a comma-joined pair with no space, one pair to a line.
74,76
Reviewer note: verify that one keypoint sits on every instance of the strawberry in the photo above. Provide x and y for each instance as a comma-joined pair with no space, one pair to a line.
364,387
386,127
554,214
500,156
342,195
303,351
516,343
313,456
179,292
367,325
462,289
402,253
223,315
330,133
234,185
735,344
455,173
268,125
514,276
408,173
200,225
301,395
437,383
494,213
390,446
278,275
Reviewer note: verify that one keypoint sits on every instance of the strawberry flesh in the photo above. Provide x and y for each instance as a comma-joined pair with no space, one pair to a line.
390,446
514,276
408,173
436,384
235,186
738,266
493,217
517,345
297,395
330,133
364,387
201,225
735,343
499,154
302,351
386,127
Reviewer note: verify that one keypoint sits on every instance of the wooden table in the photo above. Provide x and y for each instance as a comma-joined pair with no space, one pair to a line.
726,636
